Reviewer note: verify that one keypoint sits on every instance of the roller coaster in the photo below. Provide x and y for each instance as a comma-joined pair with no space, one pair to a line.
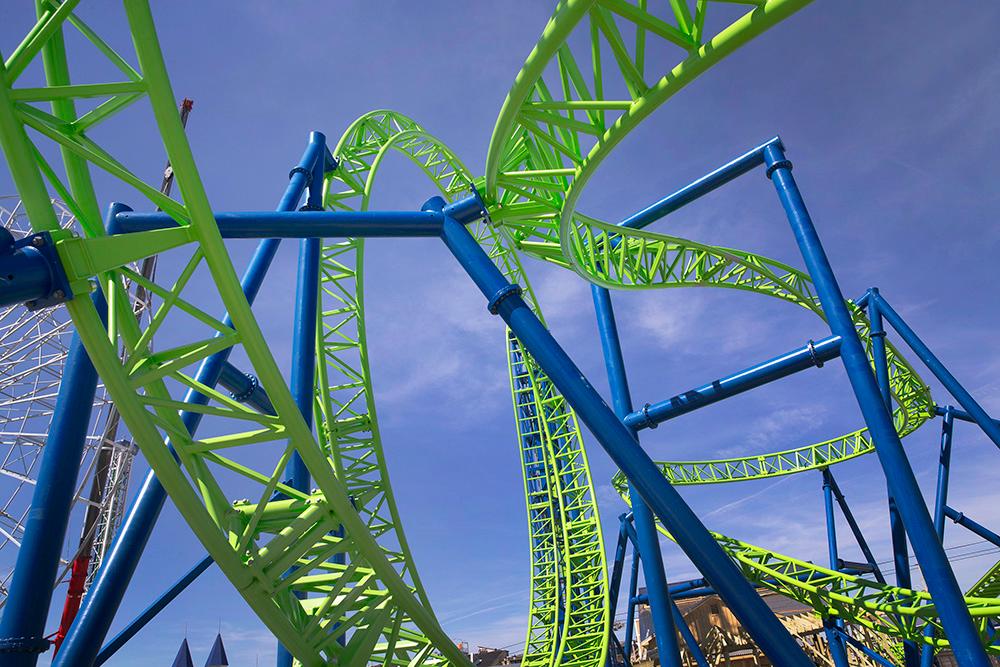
288,488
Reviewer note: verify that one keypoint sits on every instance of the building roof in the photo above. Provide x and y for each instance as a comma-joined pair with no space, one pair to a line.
217,657
183,658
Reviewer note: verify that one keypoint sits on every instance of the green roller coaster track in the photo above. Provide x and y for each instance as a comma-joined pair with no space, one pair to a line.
568,617
890,610
581,91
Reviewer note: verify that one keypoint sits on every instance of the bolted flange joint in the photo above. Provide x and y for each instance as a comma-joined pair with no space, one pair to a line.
506,291
780,164
811,346
305,172
31,271
252,384
648,422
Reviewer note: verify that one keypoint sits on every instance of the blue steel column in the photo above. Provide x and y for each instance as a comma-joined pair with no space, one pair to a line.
618,565
900,552
855,528
990,426
692,643
617,440
837,650
150,612
930,554
303,378
85,636
940,502
633,586
648,543
22,626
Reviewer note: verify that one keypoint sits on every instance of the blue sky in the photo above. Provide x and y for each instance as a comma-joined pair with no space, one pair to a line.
889,112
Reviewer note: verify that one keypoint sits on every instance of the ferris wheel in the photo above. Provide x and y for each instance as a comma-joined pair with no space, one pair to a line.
35,345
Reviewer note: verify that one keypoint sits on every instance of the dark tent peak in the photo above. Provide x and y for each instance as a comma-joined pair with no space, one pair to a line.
183,658
217,658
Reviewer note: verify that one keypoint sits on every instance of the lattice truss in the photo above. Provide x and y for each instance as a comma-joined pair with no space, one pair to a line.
329,572
305,562
34,346
568,617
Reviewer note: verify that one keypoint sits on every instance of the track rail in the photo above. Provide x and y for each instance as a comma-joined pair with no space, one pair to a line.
889,610
568,614
229,487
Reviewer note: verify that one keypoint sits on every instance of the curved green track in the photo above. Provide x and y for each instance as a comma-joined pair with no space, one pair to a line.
583,88
580,92
568,615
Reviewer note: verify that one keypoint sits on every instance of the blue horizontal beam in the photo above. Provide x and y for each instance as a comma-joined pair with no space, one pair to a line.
959,414
699,188
976,527
318,224
807,356
301,224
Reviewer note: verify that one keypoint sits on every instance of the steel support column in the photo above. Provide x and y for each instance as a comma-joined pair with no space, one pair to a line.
303,378
900,550
689,640
855,528
150,612
85,636
648,543
837,650
930,555
22,626
633,584
940,503
954,387
617,440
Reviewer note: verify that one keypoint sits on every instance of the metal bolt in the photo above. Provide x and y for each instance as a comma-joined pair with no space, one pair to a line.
58,294
38,241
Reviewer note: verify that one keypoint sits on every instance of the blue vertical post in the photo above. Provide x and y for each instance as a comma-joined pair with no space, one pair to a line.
944,470
900,552
990,426
648,543
940,502
633,588
837,649
85,636
855,528
303,378
618,565
22,626
930,554
504,299
692,643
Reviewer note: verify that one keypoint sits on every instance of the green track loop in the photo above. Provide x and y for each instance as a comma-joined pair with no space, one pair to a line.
582,89
365,611
569,616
